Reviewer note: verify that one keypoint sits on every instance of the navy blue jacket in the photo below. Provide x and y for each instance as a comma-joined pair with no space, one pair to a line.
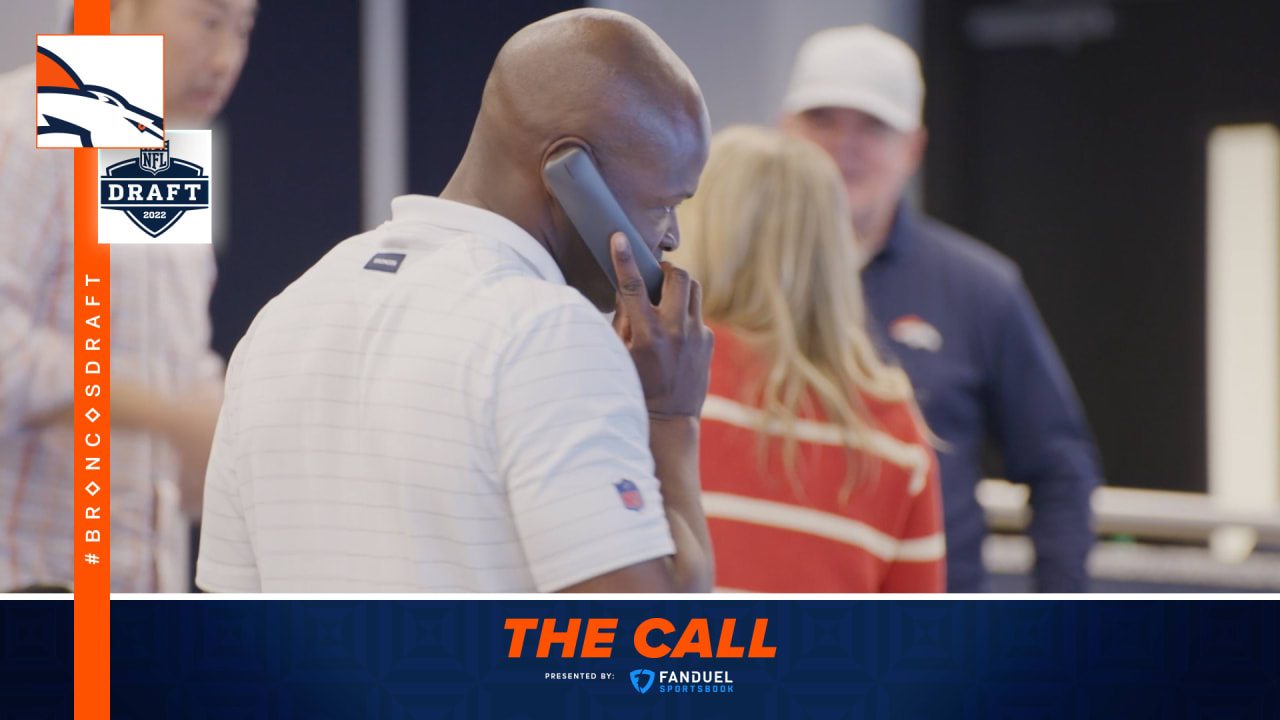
957,317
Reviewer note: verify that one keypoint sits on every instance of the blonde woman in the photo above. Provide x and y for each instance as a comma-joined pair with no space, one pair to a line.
817,475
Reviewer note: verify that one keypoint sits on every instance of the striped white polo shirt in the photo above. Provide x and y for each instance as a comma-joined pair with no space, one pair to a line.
430,409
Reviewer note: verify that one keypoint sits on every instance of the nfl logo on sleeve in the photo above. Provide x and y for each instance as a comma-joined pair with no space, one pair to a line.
631,497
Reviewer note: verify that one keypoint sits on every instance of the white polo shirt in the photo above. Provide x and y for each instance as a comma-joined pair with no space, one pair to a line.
430,409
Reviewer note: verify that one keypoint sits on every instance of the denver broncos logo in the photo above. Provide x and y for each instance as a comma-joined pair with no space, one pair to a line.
915,333
94,114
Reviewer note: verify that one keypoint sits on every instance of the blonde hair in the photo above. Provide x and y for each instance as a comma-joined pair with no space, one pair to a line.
770,238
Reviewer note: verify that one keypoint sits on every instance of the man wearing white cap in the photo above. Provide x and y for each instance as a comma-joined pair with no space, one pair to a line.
953,311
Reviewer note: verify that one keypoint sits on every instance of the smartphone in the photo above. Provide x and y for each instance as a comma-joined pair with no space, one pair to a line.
576,184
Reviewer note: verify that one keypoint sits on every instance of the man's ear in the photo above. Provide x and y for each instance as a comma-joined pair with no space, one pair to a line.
554,149
555,213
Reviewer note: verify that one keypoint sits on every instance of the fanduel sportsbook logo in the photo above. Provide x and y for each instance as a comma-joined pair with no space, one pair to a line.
155,190
682,681
642,680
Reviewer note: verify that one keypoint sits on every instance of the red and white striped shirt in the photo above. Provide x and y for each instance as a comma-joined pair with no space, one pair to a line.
886,538
159,337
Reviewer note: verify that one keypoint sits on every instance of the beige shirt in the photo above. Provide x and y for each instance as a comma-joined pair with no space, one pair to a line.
159,336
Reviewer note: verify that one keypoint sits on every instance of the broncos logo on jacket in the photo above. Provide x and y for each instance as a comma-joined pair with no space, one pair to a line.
95,115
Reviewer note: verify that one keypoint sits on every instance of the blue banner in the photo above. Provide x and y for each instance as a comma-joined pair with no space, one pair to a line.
697,659
163,192
35,659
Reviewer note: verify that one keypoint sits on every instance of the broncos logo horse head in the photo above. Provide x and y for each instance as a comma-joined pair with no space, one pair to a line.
67,106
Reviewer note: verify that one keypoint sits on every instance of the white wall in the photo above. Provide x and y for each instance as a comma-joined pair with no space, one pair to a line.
1243,310
21,21
741,50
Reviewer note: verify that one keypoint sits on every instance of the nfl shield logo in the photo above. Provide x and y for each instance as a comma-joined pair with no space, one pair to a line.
154,161
631,498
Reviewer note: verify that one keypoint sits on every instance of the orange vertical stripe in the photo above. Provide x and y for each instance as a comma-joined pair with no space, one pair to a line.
93,17
92,581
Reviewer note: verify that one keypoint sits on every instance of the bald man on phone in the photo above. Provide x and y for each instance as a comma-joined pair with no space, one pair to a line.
439,405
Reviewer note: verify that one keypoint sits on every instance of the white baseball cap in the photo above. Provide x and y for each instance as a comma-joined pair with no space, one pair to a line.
860,67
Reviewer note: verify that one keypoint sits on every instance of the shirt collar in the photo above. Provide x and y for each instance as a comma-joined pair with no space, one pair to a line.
469,218
899,232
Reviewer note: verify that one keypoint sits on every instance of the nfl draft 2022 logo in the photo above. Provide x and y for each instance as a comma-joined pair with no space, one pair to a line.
157,196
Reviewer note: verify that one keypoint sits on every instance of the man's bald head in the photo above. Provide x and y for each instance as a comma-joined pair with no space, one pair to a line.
602,80
597,75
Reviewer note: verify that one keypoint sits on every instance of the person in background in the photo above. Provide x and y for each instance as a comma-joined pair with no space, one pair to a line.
842,493
953,312
166,381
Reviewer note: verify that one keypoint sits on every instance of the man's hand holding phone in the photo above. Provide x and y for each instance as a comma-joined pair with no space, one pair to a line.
669,344
671,348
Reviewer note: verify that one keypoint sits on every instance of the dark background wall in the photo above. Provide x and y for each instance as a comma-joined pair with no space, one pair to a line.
451,48
294,126
293,134
1087,166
